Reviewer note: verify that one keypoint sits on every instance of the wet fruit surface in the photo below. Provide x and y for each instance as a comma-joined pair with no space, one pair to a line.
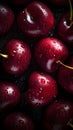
48,51
9,96
19,56
36,19
34,73
42,89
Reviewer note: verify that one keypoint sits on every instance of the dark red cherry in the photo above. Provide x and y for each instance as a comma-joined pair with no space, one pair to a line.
9,96
48,51
65,77
65,29
57,115
19,2
6,18
18,59
18,121
42,89
36,19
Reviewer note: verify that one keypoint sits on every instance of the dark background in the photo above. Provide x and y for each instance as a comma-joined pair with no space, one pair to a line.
22,80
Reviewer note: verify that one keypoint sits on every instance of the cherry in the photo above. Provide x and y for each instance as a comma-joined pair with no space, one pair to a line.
19,2
6,18
9,96
17,58
58,115
48,52
36,19
18,121
42,89
65,30
65,77
65,27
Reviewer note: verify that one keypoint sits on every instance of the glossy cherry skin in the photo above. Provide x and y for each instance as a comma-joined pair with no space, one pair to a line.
19,2
42,89
65,77
19,57
57,115
60,2
48,51
9,96
65,29
6,18
36,19
18,121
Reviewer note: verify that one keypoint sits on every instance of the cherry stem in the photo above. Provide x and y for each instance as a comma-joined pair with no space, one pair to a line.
71,10
3,55
70,124
66,66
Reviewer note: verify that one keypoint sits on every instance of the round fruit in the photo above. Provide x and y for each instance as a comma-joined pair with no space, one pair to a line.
19,57
9,96
36,19
58,115
65,77
65,29
42,89
48,52
18,121
6,18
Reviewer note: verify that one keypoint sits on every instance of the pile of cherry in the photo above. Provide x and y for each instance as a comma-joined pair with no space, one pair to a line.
36,65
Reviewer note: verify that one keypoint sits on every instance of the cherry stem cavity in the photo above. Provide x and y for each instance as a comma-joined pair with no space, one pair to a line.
71,11
3,55
66,66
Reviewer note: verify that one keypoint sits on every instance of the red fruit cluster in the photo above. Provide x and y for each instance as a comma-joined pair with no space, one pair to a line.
36,65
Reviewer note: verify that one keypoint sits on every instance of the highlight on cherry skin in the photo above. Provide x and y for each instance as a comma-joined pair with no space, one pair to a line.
18,121
16,57
42,89
58,115
65,27
6,18
50,53
9,96
36,19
